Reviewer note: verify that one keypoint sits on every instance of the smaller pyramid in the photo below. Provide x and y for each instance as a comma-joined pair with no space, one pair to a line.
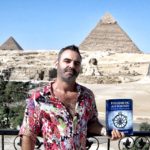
10,44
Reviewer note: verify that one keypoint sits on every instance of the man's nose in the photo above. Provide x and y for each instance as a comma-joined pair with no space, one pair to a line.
72,64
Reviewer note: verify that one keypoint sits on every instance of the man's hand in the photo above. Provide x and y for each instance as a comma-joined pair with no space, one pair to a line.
115,135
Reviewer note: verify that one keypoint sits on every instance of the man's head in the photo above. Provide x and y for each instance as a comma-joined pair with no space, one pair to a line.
69,63
70,47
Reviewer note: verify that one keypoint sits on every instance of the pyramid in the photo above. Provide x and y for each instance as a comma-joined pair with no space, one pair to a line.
10,44
109,36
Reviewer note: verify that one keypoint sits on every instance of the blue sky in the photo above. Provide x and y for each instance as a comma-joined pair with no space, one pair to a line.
53,24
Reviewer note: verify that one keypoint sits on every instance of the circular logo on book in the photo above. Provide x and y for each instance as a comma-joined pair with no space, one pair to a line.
120,120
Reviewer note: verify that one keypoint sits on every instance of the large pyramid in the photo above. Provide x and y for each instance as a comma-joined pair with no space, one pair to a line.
109,36
10,44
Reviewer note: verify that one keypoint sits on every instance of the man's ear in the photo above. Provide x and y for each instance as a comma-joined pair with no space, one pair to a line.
56,63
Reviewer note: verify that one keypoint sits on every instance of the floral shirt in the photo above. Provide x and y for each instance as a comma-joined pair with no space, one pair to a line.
45,114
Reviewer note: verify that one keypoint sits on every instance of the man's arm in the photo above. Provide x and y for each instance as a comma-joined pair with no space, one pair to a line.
30,127
27,143
95,127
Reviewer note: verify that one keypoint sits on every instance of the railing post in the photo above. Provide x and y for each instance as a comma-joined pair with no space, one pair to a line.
108,144
4,132
2,142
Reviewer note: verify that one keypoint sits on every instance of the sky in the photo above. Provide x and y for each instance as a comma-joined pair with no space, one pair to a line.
53,24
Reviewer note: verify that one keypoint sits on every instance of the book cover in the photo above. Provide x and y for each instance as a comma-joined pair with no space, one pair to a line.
119,115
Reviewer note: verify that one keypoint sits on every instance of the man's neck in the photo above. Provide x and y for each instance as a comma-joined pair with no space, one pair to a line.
63,86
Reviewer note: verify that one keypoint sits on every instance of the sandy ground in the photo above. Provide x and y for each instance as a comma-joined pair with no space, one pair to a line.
139,92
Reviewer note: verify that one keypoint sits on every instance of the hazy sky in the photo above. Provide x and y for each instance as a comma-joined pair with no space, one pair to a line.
53,24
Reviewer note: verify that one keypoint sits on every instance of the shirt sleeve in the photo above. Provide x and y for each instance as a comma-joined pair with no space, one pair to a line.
31,121
94,112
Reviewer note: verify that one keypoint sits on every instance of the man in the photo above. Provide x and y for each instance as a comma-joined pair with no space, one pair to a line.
64,111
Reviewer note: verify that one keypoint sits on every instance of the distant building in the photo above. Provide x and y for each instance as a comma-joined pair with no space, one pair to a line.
109,36
10,44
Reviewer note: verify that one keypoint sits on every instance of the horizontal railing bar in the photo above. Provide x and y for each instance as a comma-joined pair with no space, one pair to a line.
15,132
141,133
135,133
8,132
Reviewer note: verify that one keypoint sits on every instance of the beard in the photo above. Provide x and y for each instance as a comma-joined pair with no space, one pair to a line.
68,74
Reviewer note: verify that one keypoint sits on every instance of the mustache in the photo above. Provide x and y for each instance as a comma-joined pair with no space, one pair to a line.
70,70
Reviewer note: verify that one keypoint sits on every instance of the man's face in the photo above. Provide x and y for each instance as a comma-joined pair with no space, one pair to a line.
68,66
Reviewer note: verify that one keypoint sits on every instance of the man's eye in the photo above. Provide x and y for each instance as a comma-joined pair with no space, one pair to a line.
77,63
67,61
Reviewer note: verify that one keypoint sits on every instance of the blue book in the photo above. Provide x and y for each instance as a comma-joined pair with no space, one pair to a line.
119,115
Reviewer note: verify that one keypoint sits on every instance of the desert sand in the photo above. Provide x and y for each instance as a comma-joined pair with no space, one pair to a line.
138,91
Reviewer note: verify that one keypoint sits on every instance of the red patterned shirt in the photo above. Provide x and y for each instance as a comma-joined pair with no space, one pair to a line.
45,114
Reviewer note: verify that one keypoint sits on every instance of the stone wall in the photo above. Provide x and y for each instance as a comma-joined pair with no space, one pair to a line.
109,67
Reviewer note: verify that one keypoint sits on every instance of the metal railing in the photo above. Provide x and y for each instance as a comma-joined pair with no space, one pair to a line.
138,141
16,140
3,133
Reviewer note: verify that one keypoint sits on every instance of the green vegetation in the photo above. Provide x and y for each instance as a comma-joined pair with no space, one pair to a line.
145,127
12,102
